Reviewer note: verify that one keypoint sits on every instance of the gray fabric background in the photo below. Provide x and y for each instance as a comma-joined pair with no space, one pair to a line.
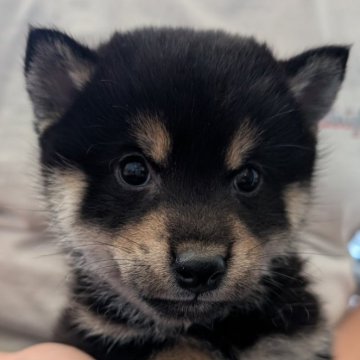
32,275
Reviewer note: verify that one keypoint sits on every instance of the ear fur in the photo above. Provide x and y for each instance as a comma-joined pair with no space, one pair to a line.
56,69
315,77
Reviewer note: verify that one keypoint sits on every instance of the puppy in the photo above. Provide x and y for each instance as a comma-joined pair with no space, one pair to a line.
177,167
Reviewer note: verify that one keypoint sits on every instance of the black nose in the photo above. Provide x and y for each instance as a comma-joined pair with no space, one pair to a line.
199,273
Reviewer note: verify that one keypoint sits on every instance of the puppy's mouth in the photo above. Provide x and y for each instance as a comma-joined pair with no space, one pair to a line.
191,309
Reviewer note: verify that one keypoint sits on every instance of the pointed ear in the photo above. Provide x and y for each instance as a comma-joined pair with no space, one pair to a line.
56,69
315,77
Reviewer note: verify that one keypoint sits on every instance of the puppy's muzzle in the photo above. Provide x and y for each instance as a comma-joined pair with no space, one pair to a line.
198,273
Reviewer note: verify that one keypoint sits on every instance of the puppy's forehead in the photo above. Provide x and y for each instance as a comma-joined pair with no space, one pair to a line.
155,137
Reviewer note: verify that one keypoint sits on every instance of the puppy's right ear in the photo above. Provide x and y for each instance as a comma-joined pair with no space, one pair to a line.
56,69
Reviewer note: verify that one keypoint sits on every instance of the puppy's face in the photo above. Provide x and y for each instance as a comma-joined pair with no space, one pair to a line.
177,164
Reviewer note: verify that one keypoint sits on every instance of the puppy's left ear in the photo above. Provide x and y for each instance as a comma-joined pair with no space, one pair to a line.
315,77
56,69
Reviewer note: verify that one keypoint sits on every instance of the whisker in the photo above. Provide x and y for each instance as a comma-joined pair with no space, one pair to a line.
114,267
279,114
289,146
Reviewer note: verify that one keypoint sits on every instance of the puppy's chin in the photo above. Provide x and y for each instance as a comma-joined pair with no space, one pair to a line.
194,310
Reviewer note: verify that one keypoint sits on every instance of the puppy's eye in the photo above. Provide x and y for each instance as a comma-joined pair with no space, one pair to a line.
133,170
247,180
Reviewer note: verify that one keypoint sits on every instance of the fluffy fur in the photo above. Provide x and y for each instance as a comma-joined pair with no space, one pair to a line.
200,108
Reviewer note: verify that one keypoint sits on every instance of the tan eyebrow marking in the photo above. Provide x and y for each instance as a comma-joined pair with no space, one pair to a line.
243,141
152,137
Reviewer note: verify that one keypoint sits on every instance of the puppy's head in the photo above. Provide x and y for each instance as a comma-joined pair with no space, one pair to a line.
177,164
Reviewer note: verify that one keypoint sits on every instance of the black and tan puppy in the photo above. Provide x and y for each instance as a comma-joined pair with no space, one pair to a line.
177,166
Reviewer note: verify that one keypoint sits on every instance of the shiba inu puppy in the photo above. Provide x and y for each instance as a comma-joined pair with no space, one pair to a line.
177,166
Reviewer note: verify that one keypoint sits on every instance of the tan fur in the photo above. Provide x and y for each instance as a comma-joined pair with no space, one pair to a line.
184,351
200,248
136,259
97,325
242,142
152,137
145,246
296,199
152,275
247,262
132,260
66,191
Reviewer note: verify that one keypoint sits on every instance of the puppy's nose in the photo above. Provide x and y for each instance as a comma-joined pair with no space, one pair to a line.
199,273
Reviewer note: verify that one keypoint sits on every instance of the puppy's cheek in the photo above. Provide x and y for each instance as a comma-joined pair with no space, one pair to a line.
143,255
89,246
296,198
65,190
245,263
250,260
136,256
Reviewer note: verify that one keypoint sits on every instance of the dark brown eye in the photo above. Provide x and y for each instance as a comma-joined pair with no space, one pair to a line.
247,180
133,170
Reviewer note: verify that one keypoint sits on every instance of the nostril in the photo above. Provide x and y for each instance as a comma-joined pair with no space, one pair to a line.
185,275
215,278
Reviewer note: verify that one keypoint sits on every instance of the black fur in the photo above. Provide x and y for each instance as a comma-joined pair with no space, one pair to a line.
283,311
287,308
105,349
202,85
38,36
